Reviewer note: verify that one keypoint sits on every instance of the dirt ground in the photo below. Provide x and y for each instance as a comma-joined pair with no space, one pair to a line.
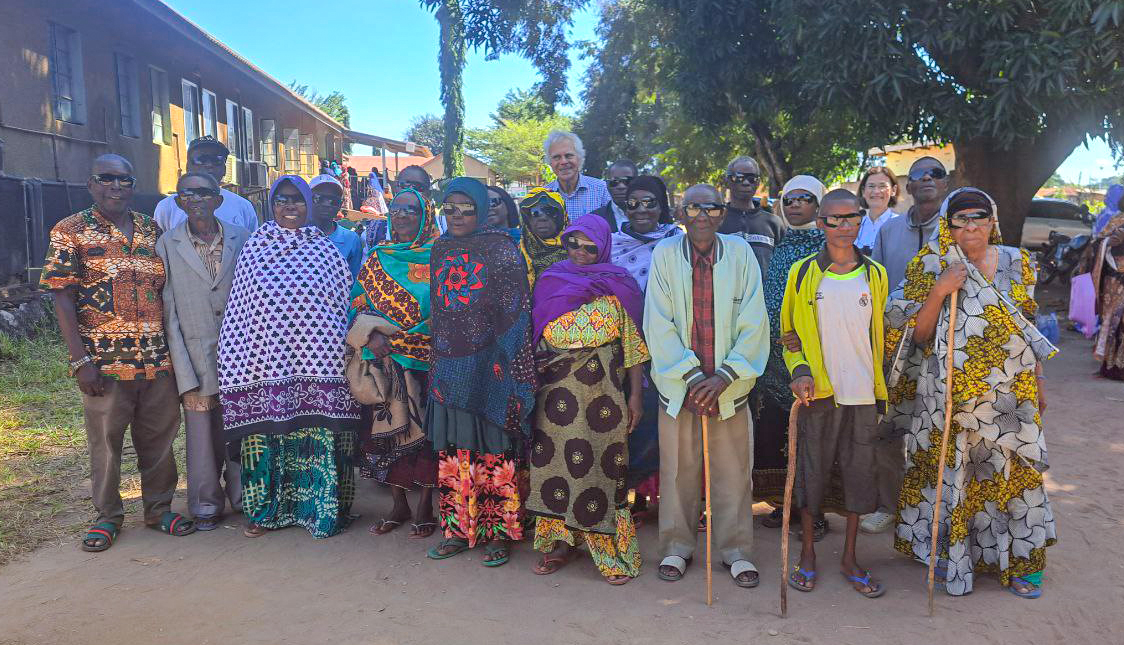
286,587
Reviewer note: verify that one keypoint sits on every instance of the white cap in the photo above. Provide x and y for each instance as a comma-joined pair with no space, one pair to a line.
800,182
325,179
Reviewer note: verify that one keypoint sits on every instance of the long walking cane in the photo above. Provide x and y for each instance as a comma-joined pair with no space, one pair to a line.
938,501
706,494
786,510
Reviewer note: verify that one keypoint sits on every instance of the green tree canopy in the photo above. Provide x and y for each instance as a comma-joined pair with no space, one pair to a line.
428,130
513,144
333,104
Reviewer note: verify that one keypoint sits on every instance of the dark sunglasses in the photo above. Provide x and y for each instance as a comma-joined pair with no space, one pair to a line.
799,199
648,202
570,242
845,220
936,172
743,177
619,181
327,200
197,193
209,160
494,202
964,220
464,210
282,199
419,186
541,211
711,209
107,179
401,211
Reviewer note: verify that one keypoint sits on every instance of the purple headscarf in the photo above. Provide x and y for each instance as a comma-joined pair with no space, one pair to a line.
566,286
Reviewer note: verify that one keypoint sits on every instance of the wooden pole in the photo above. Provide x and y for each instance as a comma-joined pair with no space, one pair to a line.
706,494
786,510
938,500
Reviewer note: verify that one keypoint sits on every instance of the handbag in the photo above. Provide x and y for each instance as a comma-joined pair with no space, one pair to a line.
367,380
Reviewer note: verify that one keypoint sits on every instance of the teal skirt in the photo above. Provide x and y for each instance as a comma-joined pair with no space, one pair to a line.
303,478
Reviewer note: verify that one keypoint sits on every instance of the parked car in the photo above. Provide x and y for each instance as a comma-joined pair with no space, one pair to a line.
1058,215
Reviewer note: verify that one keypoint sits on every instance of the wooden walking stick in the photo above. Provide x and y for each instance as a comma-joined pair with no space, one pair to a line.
786,510
706,495
938,501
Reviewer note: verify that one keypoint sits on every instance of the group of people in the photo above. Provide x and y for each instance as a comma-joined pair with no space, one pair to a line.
1103,259
547,367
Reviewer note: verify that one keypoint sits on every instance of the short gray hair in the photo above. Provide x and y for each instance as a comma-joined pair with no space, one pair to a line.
557,135
739,159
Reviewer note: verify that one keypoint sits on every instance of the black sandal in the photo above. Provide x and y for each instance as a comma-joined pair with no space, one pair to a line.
100,537
174,524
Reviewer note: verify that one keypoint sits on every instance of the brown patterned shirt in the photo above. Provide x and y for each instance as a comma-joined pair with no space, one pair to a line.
117,287
209,252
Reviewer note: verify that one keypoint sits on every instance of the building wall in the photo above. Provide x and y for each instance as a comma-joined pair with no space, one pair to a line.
27,112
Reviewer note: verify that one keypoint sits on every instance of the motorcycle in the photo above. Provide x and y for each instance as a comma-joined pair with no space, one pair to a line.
1060,256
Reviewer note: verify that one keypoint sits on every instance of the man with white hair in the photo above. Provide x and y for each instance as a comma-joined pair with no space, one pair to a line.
566,154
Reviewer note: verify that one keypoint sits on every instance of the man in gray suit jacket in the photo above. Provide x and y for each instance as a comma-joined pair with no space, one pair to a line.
199,257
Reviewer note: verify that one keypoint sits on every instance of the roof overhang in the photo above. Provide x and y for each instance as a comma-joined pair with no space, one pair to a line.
405,147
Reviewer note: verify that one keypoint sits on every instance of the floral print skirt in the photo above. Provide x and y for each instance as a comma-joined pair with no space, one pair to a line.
614,555
481,495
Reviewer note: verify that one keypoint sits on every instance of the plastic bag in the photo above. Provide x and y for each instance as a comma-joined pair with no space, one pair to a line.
1048,325
1083,304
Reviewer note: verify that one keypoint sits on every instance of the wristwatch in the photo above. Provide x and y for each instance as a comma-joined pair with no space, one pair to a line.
75,365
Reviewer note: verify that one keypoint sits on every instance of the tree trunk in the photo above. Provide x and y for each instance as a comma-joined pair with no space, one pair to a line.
770,157
1012,176
451,62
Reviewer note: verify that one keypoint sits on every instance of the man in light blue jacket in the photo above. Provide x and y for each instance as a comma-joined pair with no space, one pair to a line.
707,330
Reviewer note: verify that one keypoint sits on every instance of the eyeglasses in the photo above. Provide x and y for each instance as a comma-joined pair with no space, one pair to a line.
647,202
494,202
743,177
541,211
964,220
419,186
570,242
327,200
846,220
403,211
209,160
619,181
107,179
197,193
799,199
935,172
711,210
464,210
284,199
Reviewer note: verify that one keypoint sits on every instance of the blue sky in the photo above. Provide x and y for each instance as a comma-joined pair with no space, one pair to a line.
382,54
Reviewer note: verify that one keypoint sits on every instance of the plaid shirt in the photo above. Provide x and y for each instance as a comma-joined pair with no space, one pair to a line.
702,293
590,194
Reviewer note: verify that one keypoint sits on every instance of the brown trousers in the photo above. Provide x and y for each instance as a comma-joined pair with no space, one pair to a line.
151,409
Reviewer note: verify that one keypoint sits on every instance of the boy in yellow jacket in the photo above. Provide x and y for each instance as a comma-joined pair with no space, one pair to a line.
834,303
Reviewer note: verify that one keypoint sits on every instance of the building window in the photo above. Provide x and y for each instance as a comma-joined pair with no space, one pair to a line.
210,114
161,110
234,131
269,142
190,110
308,154
128,95
67,84
292,151
248,133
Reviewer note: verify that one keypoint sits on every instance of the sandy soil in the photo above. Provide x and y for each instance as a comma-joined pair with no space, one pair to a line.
220,587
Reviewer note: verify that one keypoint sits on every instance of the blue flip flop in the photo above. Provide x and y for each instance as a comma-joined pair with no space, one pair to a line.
876,588
809,576
1033,593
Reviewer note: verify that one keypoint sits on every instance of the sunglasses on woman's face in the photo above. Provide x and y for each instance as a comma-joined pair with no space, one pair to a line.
541,211
403,211
799,199
619,181
964,220
107,179
464,210
846,220
936,172
710,209
743,177
572,243
286,199
494,202
197,193
647,202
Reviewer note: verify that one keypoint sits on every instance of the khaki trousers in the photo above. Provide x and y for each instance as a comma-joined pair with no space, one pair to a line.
151,409
731,487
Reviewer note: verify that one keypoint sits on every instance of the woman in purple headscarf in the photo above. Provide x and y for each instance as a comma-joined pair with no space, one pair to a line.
587,316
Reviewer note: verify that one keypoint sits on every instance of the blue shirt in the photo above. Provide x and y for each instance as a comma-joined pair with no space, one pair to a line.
590,194
350,247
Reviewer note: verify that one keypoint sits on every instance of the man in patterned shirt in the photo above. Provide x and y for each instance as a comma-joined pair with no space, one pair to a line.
102,269
565,154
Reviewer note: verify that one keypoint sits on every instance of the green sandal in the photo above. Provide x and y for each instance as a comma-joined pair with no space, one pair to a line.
174,524
440,552
100,537
493,549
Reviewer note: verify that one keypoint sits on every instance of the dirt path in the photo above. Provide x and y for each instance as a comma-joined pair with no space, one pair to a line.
220,587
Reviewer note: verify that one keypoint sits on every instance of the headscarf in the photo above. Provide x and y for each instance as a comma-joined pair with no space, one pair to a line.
653,185
633,250
565,286
482,362
295,180
512,209
281,347
1111,202
539,253
807,183
394,284
996,346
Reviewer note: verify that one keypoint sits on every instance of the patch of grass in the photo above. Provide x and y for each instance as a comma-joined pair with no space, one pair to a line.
44,465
